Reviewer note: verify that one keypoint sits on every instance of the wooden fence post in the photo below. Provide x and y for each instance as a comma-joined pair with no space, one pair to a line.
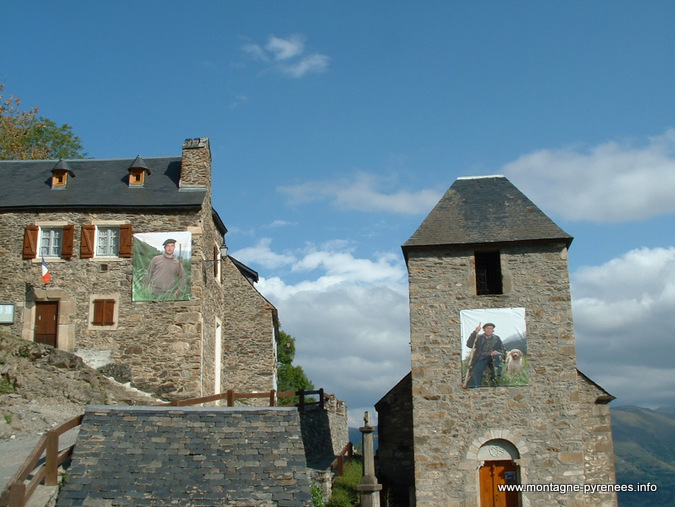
230,398
273,398
17,494
321,397
52,458
301,393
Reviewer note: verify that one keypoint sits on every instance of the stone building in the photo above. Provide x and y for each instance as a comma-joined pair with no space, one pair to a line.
192,325
488,275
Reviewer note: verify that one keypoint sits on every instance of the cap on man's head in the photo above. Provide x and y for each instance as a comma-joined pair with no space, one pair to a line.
169,241
488,324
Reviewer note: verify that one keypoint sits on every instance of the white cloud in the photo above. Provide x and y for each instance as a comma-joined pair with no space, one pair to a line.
263,255
610,182
315,63
283,49
287,56
362,194
622,313
349,317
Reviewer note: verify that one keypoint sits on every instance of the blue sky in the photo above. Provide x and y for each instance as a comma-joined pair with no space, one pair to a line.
336,126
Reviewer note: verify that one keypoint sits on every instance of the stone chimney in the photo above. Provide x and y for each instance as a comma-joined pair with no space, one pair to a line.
195,172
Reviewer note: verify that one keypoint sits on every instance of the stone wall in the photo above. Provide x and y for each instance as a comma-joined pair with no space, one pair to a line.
542,420
248,319
324,431
395,461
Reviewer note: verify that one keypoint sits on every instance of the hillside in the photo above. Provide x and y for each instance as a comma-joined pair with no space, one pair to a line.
644,449
41,387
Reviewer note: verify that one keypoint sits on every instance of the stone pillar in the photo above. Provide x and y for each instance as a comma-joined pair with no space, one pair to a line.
369,488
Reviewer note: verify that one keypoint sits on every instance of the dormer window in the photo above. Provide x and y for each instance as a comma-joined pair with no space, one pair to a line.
138,172
60,174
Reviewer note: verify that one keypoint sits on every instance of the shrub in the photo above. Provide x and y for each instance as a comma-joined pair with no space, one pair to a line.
344,490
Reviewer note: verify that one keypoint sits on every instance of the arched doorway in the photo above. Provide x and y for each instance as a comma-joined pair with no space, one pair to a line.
498,469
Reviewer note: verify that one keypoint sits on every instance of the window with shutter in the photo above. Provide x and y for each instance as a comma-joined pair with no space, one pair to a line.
104,312
50,241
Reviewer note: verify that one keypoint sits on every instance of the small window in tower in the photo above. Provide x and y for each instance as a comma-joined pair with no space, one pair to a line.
488,273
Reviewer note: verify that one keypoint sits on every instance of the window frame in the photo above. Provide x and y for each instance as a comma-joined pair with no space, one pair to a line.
103,311
34,239
112,240
54,238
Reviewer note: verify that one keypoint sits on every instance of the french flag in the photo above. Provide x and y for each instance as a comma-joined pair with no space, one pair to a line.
46,277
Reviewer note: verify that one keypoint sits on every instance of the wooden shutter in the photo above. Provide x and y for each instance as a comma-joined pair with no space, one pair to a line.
30,238
104,312
67,241
88,241
126,240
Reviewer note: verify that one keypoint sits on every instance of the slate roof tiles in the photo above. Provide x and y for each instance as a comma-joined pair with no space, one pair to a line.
188,456
484,210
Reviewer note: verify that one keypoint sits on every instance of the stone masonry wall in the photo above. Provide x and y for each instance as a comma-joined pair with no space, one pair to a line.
596,425
395,462
169,345
542,420
249,361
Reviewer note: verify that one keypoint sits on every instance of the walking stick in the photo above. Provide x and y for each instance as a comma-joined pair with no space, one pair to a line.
470,365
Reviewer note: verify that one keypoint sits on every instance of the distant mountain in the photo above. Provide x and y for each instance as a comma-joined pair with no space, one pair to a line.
644,451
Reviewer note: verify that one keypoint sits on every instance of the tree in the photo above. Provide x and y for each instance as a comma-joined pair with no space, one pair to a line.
25,135
289,377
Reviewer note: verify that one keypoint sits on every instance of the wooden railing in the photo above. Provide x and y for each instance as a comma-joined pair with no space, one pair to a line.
18,491
339,463
231,396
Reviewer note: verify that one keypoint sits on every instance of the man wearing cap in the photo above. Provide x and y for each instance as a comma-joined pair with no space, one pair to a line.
165,275
488,349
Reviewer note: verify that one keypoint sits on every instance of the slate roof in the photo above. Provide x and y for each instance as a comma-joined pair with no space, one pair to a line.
188,456
93,183
483,210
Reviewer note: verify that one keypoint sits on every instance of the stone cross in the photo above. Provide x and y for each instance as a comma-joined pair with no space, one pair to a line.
369,488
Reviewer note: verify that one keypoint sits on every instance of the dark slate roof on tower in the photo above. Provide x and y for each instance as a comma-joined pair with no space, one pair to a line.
188,456
97,183
487,209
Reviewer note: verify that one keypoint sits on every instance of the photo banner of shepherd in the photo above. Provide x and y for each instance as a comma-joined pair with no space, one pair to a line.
162,267
494,347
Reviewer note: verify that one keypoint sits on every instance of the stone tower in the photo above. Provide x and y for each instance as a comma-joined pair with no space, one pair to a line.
484,415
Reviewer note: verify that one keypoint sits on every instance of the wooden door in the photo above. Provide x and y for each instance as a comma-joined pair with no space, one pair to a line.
46,321
493,474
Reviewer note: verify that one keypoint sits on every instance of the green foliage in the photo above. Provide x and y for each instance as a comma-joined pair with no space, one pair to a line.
317,496
344,489
6,387
286,348
25,135
292,378
289,377
9,417
520,379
